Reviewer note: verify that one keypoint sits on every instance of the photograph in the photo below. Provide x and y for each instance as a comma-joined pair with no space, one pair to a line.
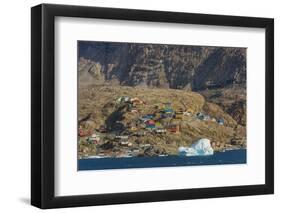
143,105
132,105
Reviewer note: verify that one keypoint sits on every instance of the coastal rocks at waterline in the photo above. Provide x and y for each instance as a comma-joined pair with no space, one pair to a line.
199,148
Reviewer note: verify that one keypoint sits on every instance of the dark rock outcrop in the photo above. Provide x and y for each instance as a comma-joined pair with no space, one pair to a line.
160,65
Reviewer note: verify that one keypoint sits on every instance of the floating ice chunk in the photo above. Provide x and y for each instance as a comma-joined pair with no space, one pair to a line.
186,151
203,147
200,147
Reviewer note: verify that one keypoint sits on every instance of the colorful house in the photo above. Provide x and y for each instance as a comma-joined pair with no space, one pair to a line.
167,113
220,121
123,99
160,130
133,128
150,124
136,101
202,116
94,139
134,110
158,125
175,128
178,115
168,104
102,129
147,117
168,110
84,132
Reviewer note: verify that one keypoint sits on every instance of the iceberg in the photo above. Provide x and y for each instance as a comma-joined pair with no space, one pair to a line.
199,148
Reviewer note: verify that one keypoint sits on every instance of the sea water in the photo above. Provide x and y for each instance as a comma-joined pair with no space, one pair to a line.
218,158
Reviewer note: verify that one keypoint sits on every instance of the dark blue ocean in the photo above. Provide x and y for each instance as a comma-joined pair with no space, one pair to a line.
227,157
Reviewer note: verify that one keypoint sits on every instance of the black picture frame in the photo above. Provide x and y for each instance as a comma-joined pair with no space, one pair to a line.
43,105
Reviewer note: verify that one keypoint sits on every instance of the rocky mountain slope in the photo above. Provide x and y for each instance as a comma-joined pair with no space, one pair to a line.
162,66
231,99
101,105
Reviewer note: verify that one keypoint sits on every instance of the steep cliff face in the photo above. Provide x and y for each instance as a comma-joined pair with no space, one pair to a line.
164,65
107,61
223,67
168,66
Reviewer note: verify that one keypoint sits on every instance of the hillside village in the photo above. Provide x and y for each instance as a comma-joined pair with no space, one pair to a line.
122,121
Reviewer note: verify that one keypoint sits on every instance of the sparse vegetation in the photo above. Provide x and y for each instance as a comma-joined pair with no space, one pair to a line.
150,99
122,118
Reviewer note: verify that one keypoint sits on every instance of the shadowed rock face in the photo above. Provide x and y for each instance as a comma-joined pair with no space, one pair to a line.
162,66
238,111
223,67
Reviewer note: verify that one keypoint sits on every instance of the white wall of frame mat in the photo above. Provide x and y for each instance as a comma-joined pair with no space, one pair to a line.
15,105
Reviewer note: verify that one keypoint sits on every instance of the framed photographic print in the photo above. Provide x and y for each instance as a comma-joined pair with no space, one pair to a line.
139,106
